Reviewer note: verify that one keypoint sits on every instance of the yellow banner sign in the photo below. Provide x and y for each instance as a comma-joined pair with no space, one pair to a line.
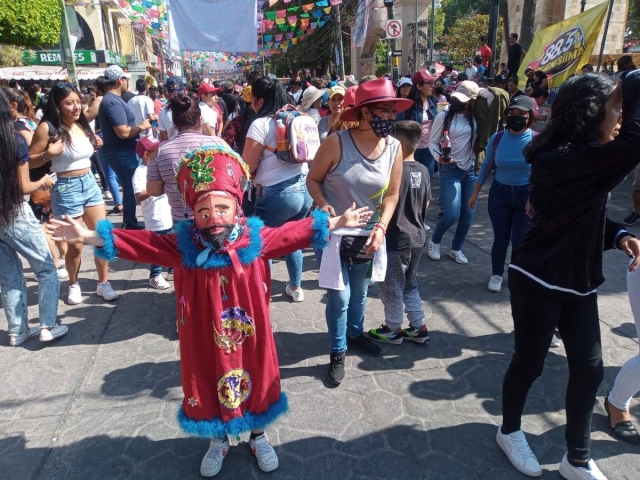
563,48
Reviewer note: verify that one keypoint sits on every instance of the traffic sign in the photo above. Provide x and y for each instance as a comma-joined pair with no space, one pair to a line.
394,28
396,53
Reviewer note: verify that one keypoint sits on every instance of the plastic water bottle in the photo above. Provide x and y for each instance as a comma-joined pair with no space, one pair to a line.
446,146
281,134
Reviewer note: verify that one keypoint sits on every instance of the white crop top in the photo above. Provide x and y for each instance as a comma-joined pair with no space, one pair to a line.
75,156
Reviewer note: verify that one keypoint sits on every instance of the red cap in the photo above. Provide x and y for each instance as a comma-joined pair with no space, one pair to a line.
421,76
207,88
210,168
146,144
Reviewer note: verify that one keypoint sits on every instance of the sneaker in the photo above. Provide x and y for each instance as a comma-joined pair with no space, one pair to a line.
15,340
434,251
458,256
364,344
495,283
116,211
158,282
591,472
517,449
418,335
105,291
336,368
212,461
427,228
385,335
296,295
631,219
107,195
264,452
555,341
75,294
62,272
48,334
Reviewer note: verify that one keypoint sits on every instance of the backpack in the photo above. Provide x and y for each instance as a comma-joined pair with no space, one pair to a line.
303,138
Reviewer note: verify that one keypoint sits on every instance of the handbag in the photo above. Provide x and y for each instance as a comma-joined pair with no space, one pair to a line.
43,197
353,250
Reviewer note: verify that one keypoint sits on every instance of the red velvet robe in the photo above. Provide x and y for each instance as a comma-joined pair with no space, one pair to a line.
229,364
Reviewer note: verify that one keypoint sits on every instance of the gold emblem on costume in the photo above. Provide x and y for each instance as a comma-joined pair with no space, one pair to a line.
236,326
234,388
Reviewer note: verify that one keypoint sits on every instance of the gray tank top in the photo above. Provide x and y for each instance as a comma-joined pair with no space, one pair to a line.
357,179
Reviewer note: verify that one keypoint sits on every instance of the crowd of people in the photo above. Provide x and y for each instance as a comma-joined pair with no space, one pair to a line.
226,179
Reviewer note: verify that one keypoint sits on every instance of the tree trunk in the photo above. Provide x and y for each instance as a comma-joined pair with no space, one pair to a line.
526,31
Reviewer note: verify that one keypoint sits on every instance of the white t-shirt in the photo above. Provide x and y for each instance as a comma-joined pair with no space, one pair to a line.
165,122
142,106
155,210
209,115
471,72
461,139
271,170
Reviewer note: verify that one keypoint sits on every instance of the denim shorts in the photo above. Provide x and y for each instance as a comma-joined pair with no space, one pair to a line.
71,195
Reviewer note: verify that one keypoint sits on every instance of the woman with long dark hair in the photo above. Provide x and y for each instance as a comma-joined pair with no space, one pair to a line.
590,144
457,174
76,193
20,233
281,190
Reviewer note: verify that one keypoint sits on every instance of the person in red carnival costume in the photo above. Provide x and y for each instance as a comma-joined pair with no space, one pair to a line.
229,365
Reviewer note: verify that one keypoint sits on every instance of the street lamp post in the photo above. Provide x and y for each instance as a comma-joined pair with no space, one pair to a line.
493,31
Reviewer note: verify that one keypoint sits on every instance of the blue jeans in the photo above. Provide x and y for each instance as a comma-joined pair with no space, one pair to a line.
281,203
345,308
456,187
507,211
26,237
124,163
423,155
110,177
157,269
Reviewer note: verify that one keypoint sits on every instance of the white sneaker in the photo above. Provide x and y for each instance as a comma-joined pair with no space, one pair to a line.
105,291
495,283
458,256
434,251
46,334
75,294
264,452
592,472
107,195
212,461
517,449
555,341
15,340
427,228
296,295
158,282
63,274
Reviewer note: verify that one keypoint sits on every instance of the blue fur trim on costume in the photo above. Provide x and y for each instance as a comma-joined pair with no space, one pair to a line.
108,251
190,249
320,238
216,428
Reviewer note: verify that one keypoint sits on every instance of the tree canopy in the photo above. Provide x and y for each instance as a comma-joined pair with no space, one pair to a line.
30,23
462,39
456,9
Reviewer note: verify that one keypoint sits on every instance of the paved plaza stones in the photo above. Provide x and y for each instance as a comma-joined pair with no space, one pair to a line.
101,402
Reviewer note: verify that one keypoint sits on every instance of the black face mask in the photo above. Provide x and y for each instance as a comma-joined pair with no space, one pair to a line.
516,123
439,90
381,127
457,106
217,240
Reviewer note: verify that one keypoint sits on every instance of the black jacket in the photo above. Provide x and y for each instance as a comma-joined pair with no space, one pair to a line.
568,193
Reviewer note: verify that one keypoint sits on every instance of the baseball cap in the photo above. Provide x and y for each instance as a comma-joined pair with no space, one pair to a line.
227,85
175,83
404,81
470,60
368,78
337,90
466,91
422,76
522,102
113,73
146,144
208,88
500,79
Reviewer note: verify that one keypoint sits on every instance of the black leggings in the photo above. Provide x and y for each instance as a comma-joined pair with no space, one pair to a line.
537,311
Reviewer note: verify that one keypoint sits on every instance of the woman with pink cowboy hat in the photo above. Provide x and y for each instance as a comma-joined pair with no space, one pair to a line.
361,164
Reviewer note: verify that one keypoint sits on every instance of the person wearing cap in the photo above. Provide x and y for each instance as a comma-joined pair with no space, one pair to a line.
340,175
404,87
212,123
120,133
458,174
509,191
166,126
280,194
500,81
336,96
142,106
470,69
424,110
228,360
156,211
228,98
311,101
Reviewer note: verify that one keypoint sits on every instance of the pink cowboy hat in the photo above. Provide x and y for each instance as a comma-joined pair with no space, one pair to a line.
375,91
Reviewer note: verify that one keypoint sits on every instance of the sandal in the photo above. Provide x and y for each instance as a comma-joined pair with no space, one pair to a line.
625,430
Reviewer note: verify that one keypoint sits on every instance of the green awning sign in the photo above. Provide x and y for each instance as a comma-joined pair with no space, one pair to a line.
52,57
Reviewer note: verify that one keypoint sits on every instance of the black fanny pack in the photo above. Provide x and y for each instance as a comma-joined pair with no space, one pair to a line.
353,250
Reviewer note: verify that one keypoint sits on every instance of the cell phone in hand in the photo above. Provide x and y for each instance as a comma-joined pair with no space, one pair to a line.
53,177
